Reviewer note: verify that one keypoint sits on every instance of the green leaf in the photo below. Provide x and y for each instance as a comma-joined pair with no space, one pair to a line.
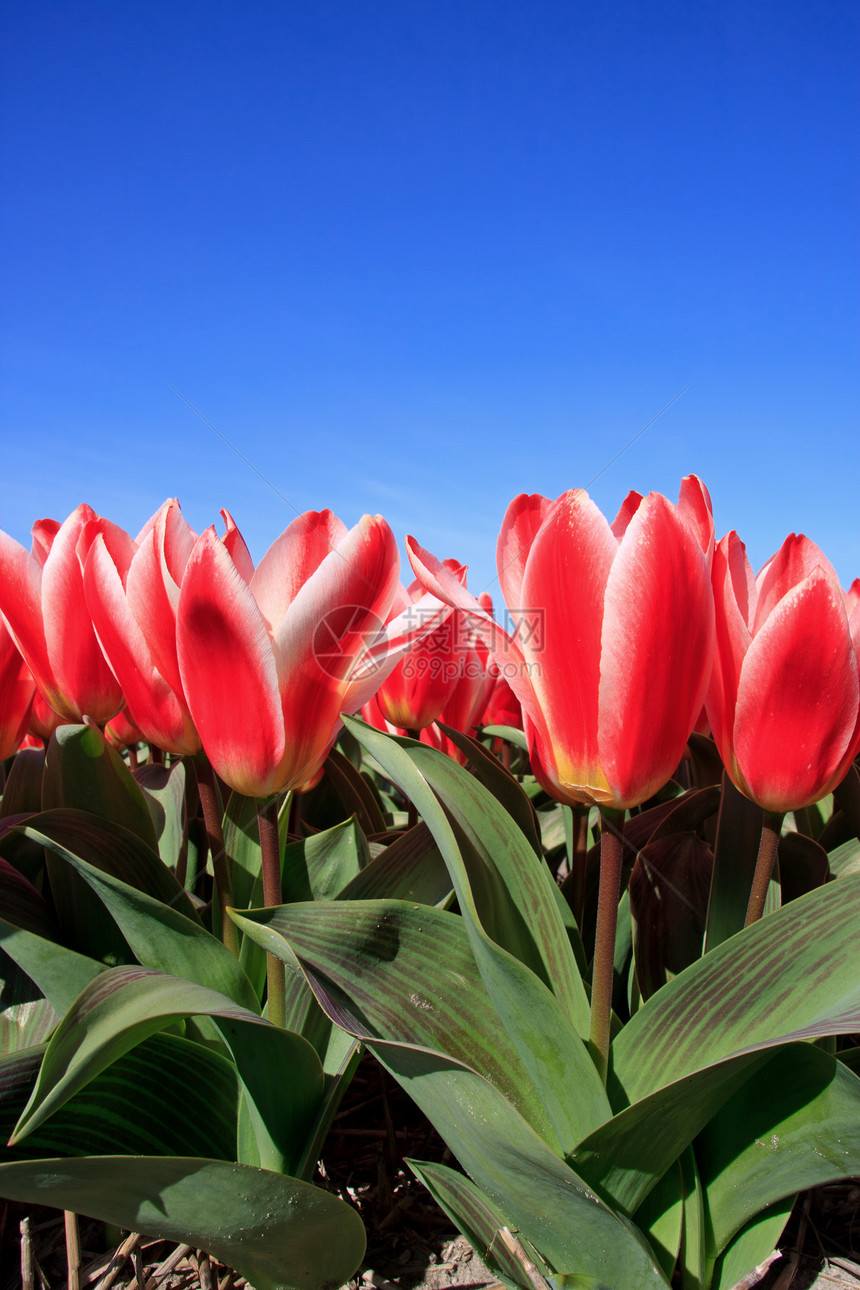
280,1233
114,850
159,935
409,975
793,1125
167,1096
751,1246
60,973
23,1025
84,772
792,975
517,1170
481,1222
163,789
513,923
116,1011
845,859
410,868
541,1198
500,782
22,793
319,867
354,792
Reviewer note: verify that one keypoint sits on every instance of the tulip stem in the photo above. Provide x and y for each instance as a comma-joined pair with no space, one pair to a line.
207,788
770,831
270,846
611,859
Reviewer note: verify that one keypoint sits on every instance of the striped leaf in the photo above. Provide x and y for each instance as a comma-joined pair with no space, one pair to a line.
793,975
125,1005
406,973
481,1222
511,916
167,1097
159,935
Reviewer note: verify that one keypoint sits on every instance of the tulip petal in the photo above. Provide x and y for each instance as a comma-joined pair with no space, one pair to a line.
505,651
237,548
16,695
523,519
797,699
157,713
658,591
626,511
694,505
290,561
564,586
795,560
228,670
21,606
325,634
735,597
152,587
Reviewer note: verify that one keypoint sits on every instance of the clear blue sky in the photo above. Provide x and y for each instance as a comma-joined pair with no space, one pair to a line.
416,257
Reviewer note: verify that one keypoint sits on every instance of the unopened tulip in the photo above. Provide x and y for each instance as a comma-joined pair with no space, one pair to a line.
614,635
414,693
784,697
42,601
16,695
270,661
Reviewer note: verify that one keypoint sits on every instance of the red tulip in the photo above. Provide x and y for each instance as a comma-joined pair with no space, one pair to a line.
16,695
784,697
418,688
614,636
269,662
132,591
42,601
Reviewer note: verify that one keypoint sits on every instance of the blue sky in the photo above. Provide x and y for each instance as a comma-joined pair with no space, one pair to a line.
416,258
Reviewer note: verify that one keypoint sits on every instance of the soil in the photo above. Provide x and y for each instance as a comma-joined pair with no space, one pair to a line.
411,1244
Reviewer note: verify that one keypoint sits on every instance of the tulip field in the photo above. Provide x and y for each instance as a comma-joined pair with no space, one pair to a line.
577,864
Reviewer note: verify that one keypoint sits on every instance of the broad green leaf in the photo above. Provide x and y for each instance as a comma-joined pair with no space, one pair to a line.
668,892
513,736
629,1154
279,1233
167,1097
114,850
163,790
794,1124
60,973
792,975
319,867
410,868
751,1246
660,1218
500,782
542,1199
82,771
122,1007
481,1222
409,975
513,924
159,935
845,859
23,904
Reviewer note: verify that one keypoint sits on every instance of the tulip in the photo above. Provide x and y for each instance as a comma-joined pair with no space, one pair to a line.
132,593
42,601
784,698
414,693
16,695
269,660
610,659
614,635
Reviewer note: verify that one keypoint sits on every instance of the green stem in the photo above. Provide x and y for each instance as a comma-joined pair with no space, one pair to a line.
770,832
210,801
611,858
270,846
